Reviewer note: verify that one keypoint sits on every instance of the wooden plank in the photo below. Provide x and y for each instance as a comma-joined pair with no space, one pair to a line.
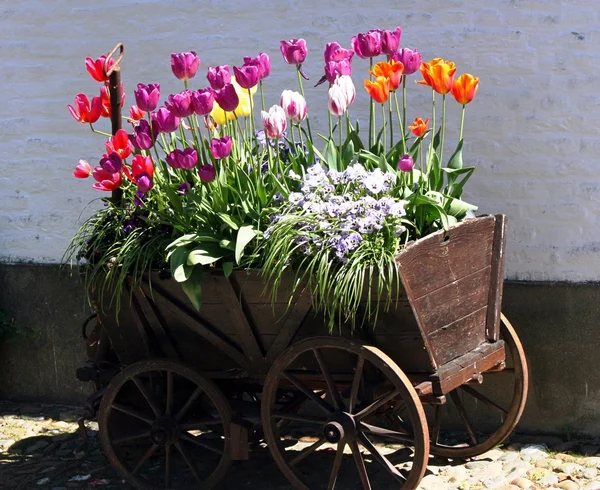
454,301
444,257
492,331
459,337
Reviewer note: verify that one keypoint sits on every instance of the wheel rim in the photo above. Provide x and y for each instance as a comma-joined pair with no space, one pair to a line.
349,387
498,404
164,426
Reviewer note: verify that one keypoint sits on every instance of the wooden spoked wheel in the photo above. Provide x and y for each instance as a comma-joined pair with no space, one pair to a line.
164,426
341,437
494,406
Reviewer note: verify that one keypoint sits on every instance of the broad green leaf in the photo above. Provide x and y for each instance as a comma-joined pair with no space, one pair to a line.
456,160
459,208
180,270
227,244
174,198
227,268
228,220
331,155
193,286
202,257
244,236
383,164
434,171
347,154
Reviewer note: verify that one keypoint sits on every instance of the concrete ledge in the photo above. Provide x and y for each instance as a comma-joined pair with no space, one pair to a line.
557,323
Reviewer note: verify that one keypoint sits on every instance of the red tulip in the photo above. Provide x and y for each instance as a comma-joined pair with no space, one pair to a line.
106,181
135,113
120,144
84,112
82,170
96,68
142,165
105,97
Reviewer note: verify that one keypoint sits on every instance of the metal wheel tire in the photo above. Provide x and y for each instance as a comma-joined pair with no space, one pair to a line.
500,400
349,387
164,426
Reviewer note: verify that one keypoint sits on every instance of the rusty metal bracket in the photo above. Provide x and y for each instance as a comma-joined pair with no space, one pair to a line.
115,67
89,413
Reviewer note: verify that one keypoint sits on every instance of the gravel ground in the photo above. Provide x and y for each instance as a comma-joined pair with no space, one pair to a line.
39,448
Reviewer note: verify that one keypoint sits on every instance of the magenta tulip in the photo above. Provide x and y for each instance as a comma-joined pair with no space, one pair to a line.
227,98
142,138
334,69
294,51
221,147
203,101
185,159
164,121
207,173
410,58
185,65
367,45
112,163
146,96
144,183
218,76
180,105
263,62
246,76
390,41
334,52
406,163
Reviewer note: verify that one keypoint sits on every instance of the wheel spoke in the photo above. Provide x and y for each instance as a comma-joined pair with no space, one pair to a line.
337,462
307,451
187,459
356,383
463,415
199,442
200,424
130,438
437,424
365,412
147,396
147,455
168,465
323,405
484,399
360,465
188,404
382,460
298,418
389,434
335,395
169,401
132,412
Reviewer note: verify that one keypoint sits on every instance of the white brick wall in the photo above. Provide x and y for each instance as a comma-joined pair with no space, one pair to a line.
532,131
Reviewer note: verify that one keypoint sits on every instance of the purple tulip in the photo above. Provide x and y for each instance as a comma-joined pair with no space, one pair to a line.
207,173
186,158
180,105
112,163
410,58
390,41
263,62
406,163
184,188
218,76
164,121
367,45
142,138
185,65
146,96
334,69
203,101
227,98
221,147
144,183
334,52
294,51
246,76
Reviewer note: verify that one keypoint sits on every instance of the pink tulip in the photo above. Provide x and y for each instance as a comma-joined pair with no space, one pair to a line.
406,163
274,121
142,165
144,183
246,76
135,113
207,173
334,52
96,68
186,158
390,41
221,147
84,112
203,101
106,181
185,65
410,58
180,105
367,45
82,170
293,105
146,96
164,121
263,62
218,76
227,98
294,51
334,69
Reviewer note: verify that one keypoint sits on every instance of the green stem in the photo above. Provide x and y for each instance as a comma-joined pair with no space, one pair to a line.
302,93
341,143
383,123
262,95
402,134
462,122
404,101
390,122
443,128
99,132
252,120
371,111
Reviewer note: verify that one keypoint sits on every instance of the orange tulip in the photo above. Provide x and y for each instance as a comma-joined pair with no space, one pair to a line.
392,70
439,75
464,88
379,90
419,127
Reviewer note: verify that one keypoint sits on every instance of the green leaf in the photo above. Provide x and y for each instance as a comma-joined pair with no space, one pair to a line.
434,171
174,199
193,286
436,139
397,151
203,257
228,220
454,189
227,244
347,153
331,155
459,208
244,236
456,160
227,268
180,270
383,164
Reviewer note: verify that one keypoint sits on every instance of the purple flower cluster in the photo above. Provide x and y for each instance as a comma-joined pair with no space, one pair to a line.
343,208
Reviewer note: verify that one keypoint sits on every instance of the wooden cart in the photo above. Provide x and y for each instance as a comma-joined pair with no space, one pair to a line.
441,373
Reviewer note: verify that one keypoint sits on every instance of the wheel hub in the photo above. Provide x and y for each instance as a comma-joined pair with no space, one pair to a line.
164,431
340,427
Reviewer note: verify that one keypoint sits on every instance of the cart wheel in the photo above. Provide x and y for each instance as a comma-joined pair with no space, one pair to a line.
349,388
164,426
500,400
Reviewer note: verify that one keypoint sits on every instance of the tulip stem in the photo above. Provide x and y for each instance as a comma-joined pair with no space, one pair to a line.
462,122
254,137
302,93
330,127
262,95
371,110
99,132
403,102
443,129
341,136
383,126
390,122
402,135
431,147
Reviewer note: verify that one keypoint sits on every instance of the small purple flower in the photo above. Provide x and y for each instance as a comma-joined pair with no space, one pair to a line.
410,58
184,188
203,101
246,76
207,173
367,45
185,65
180,105
144,183
406,163
221,147
294,51
142,138
185,159
146,96
218,76
112,163
390,41
165,121
263,62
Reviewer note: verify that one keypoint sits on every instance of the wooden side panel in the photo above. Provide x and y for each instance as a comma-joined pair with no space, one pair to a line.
492,331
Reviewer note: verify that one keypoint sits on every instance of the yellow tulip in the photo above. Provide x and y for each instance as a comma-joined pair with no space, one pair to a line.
242,110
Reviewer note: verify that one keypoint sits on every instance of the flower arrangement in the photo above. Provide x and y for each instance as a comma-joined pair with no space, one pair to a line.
199,182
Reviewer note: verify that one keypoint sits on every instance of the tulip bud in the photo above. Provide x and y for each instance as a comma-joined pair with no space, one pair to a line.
144,183
82,170
274,121
406,163
146,96
207,173
185,65
294,51
334,52
142,138
221,147
112,163
218,76
186,158
293,105
180,105
338,103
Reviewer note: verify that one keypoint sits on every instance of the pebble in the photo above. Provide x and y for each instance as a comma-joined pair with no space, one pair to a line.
521,482
568,485
589,473
593,485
